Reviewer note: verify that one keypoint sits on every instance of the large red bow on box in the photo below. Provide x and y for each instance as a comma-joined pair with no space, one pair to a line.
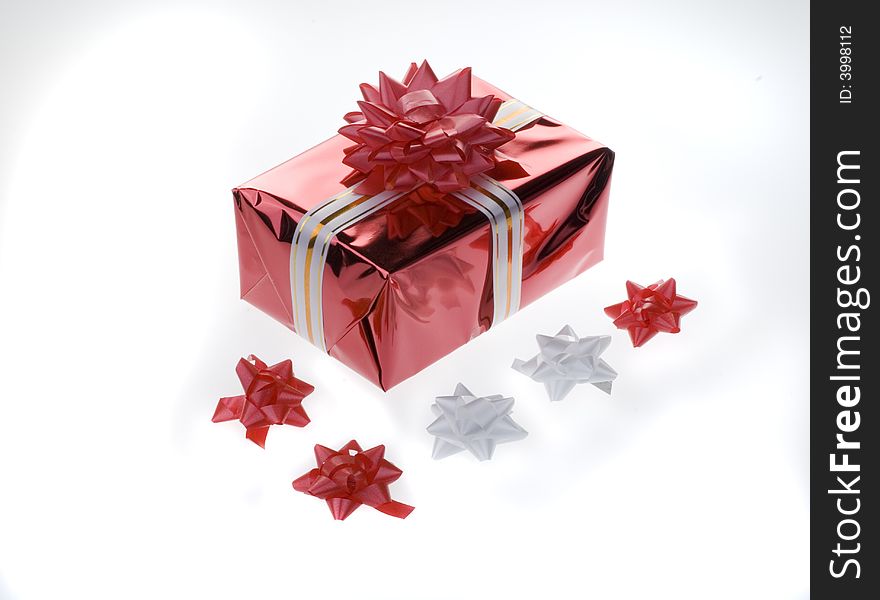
424,131
350,477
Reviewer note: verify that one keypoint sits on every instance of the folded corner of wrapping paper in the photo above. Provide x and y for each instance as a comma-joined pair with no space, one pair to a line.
262,261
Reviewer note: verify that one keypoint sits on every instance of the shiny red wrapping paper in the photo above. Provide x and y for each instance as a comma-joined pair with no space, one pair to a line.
412,283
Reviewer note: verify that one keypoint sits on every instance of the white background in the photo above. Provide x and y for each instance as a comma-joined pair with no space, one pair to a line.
125,124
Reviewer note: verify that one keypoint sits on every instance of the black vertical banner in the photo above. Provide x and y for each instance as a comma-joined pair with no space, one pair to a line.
844,227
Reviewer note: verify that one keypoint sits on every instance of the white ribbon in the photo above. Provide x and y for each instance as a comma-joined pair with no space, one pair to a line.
476,424
565,360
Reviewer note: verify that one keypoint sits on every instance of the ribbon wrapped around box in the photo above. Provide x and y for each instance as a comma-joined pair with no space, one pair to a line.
440,209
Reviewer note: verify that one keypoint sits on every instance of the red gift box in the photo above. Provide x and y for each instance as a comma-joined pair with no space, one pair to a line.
391,291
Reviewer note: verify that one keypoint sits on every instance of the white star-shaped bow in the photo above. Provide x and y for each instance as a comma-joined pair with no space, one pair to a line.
565,360
466,422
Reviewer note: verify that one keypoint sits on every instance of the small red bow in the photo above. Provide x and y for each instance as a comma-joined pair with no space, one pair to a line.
272,396
650,310
350,477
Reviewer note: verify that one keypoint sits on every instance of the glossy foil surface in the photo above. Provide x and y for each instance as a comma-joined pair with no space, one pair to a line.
412,283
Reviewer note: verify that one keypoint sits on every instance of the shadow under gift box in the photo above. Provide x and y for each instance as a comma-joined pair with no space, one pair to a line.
393,304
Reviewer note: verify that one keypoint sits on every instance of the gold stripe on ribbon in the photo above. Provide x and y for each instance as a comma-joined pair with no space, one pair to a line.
300,228
515,115
510,249
309,259
504,211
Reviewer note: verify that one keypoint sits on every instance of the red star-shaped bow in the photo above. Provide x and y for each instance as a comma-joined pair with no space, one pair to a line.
424,130
650,310
350,477
272,396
